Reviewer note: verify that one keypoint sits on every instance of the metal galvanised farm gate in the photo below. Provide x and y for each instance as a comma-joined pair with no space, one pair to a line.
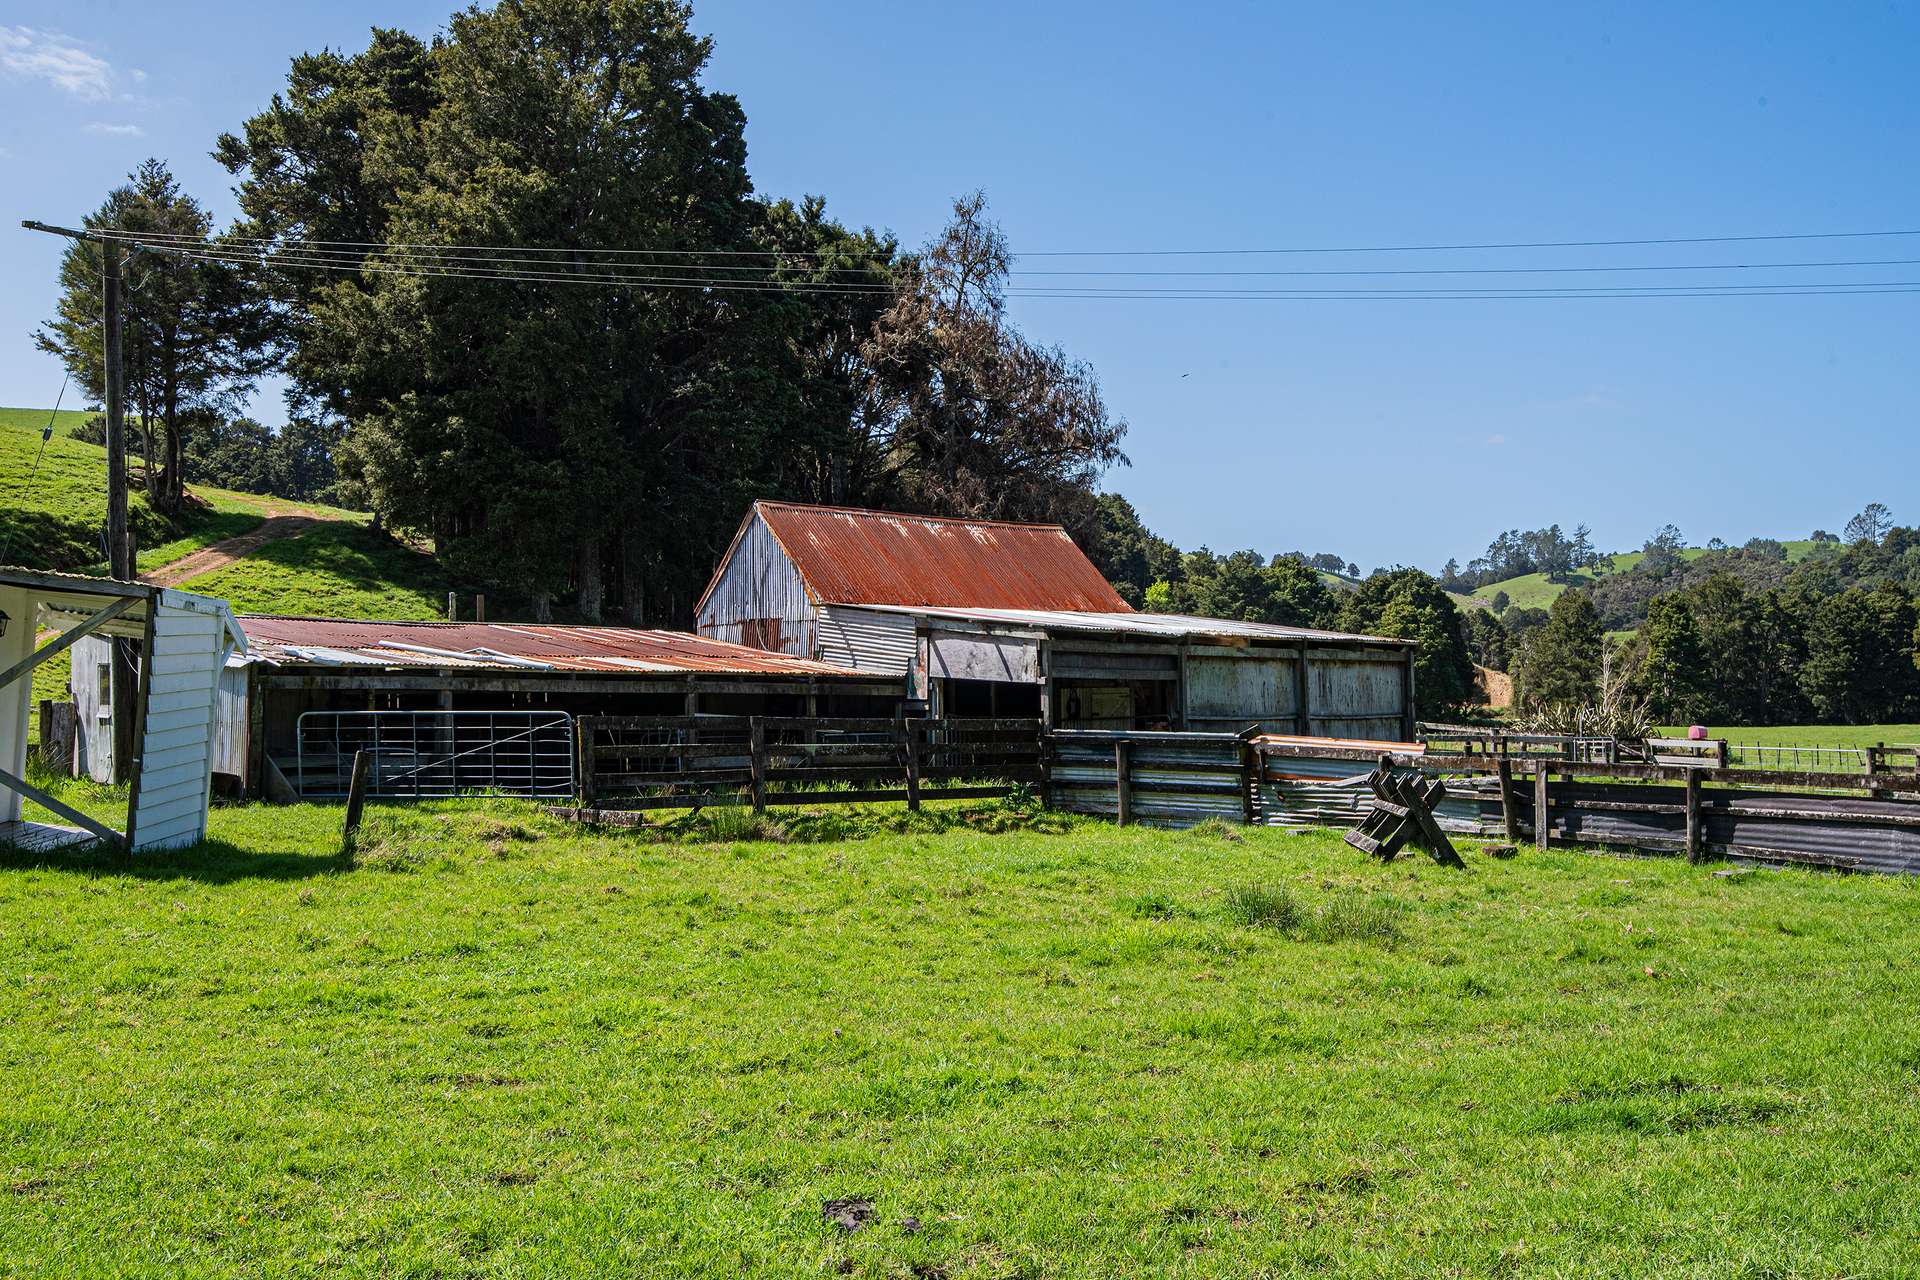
423,754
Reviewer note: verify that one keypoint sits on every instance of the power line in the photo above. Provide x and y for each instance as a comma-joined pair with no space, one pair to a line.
1096,253
451,255
1130,293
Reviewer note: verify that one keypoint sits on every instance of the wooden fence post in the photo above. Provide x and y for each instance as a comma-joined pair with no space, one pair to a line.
1122,782
1509,816
910,743
1249,781
585,761
757,733
1542,803
356,798
1693,815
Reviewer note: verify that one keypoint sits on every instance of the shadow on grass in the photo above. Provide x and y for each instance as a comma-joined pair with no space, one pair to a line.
209,862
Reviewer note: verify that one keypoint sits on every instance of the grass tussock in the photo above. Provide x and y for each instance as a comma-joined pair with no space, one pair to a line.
1347,916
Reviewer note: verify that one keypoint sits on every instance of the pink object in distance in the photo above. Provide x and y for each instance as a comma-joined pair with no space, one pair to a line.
1696,733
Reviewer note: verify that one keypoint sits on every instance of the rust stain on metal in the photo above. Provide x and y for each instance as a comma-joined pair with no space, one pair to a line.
340,641
850,556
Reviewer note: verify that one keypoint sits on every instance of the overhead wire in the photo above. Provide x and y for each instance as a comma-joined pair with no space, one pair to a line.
1121,253
434,263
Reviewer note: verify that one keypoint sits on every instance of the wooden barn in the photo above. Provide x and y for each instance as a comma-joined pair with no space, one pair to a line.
982,617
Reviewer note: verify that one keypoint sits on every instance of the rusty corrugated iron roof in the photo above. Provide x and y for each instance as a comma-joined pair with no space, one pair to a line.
511,646
848,556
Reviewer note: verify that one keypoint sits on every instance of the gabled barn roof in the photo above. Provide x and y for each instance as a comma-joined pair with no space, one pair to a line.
854,557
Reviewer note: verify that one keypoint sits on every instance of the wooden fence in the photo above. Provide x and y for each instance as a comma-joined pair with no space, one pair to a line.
631,763
1681,798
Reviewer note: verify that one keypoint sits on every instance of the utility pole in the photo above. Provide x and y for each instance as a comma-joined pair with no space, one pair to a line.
119,549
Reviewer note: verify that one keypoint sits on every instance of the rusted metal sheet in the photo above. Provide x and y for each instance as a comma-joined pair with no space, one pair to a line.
848,556
283,641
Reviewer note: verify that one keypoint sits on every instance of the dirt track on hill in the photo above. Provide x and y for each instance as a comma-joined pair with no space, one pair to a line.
223,553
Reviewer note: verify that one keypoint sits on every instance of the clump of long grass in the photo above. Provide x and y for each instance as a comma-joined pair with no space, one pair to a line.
1263,906
1355,917
732,822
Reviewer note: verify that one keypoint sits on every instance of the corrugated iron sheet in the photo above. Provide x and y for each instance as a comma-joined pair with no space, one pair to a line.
1169,626
848,556
877,642
284,641
1177,779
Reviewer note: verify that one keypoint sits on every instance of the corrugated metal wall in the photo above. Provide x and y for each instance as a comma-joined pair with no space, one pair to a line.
759,599
867,640
1178,779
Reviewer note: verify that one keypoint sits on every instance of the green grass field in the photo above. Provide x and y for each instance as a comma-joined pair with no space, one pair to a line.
65,422
333,570
496,1046
1810,735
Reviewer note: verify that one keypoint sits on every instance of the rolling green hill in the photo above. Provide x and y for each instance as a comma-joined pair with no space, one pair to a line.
1533,591
65,423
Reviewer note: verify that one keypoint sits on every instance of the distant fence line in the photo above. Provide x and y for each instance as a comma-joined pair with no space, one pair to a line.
1672,795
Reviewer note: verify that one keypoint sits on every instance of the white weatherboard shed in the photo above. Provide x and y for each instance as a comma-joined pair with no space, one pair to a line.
184,641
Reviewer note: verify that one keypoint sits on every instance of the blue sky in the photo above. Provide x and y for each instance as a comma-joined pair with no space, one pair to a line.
1387,431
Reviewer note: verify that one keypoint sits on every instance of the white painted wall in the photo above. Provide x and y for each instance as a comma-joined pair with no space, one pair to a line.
16,702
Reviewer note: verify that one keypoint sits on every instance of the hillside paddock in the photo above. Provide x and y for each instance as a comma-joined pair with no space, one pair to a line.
496,1045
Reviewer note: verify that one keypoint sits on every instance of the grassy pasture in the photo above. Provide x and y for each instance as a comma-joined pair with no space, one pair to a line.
1809,735
497,1046
333,570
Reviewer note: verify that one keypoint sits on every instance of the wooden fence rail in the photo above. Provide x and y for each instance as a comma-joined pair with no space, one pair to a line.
633,763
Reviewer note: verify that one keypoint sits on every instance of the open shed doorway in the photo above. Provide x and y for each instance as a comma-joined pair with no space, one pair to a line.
998,699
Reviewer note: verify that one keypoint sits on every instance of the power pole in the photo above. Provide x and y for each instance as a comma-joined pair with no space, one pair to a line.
125,678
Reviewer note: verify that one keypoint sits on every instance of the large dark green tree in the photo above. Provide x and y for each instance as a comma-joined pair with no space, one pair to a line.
968,414
1561,664
1860,657
1410,605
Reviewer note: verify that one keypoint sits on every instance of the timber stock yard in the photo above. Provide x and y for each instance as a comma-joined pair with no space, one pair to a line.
620,652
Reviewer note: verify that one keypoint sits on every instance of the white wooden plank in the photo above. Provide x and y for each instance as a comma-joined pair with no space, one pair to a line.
164,703
185,792
167,739
191,718
158,762
200,664
196,682
195,771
